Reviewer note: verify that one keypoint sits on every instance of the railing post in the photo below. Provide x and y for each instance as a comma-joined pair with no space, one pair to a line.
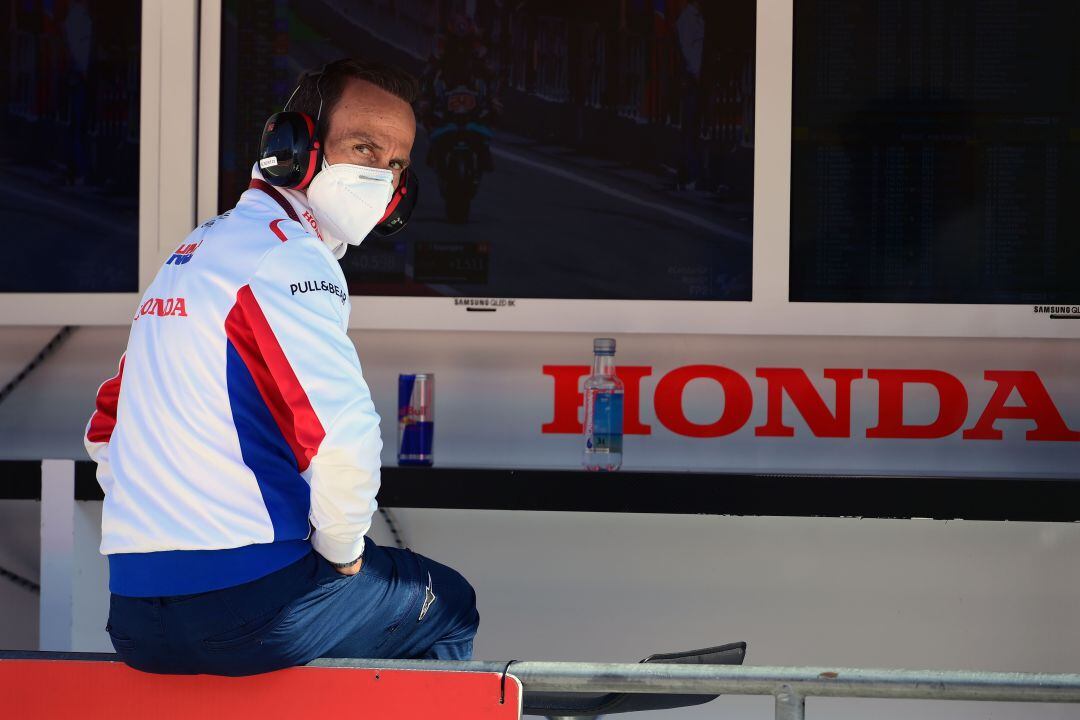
790,705
57,604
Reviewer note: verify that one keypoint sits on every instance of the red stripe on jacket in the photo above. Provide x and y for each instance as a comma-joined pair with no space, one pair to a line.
103,420
246,327
277,231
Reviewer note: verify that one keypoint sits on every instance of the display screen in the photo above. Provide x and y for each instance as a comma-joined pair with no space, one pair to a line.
69,145
564,150
933,148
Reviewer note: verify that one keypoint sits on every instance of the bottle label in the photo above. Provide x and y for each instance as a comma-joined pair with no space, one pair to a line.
607,430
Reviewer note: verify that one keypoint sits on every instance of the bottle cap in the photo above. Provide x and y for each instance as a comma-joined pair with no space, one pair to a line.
604,346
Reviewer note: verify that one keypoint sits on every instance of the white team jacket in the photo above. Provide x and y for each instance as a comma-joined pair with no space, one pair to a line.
239,412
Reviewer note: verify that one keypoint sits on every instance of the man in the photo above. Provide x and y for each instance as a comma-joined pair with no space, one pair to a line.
238,446
690,28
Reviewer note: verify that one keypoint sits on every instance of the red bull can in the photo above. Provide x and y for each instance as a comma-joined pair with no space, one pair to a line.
416,419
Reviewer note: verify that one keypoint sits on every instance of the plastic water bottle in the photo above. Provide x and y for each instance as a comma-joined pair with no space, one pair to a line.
603,410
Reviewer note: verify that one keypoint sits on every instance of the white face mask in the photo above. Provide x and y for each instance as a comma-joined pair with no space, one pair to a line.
348,201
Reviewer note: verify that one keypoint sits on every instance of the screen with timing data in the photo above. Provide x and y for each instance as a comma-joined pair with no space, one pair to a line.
935,151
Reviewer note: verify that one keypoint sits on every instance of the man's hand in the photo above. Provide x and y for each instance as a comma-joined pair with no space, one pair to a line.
351,569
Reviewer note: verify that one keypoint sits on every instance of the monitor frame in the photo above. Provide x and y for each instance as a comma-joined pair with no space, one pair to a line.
166,207
768,313
187,60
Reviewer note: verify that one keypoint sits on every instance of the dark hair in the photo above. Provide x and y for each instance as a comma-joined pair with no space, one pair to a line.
329,82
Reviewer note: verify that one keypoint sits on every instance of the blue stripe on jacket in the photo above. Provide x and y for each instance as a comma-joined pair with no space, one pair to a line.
285,492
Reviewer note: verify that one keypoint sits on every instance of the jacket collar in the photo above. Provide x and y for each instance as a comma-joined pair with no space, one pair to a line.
292,202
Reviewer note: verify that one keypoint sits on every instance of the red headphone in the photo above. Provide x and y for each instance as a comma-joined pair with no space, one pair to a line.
290,155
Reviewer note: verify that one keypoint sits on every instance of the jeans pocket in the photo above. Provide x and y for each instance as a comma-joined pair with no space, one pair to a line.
248,633
329,577
121,643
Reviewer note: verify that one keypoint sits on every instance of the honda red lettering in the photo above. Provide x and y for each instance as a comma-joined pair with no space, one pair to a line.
892,389
952,404
569,398
163,307
807,401
738,401
1037,406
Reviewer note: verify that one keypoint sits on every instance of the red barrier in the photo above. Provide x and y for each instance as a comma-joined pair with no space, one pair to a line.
85,690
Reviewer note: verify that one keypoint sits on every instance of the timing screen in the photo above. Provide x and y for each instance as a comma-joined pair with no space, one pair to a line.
934,151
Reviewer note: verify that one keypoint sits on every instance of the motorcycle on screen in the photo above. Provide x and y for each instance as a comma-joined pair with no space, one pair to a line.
460,149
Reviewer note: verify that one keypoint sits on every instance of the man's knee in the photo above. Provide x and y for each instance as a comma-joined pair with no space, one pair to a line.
466,618
450,587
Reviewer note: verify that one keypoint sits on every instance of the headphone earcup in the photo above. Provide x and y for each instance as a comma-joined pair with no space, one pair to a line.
400,207
289,151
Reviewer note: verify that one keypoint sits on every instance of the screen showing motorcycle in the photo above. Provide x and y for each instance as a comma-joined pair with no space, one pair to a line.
461,102
600,150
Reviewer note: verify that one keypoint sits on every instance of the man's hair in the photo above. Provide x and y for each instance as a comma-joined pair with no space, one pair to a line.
329,82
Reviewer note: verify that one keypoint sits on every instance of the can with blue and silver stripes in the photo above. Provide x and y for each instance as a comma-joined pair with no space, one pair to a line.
416,419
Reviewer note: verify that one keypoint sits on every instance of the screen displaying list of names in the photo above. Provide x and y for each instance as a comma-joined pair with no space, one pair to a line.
934,151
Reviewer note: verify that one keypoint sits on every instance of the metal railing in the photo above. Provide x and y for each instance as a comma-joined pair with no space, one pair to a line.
790,686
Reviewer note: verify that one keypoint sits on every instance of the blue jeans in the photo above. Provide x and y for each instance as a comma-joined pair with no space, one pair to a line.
400,605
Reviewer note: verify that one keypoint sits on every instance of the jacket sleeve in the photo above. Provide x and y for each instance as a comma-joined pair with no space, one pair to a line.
297,310
99,429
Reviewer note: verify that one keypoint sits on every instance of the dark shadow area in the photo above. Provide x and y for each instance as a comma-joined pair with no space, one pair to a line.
69,145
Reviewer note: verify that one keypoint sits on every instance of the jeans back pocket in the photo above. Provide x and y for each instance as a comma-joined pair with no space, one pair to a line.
121,643
250,632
